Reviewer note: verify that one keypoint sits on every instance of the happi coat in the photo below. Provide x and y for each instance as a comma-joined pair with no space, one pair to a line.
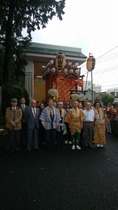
75,118
47,121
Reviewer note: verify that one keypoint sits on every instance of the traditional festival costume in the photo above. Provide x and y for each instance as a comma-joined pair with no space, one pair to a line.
75,119
50,119
61,128
100,120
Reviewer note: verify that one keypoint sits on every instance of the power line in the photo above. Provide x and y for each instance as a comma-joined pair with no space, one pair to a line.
108,70
110,57
110,85
108,52
105,70
101,58
102,55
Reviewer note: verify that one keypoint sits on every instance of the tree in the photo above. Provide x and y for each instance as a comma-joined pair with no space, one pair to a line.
16,15
106,98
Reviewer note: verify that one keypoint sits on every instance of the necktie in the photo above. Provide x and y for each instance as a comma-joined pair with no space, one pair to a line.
34,112
14,111
23,107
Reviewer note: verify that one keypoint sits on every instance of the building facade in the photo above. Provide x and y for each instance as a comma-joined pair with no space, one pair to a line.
96,88
38,55
113,92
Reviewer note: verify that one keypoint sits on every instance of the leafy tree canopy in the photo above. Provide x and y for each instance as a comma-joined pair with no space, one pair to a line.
28,14
106,98
16,15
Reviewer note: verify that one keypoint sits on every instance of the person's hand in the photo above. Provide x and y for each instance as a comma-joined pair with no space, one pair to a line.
57,125
44,126
14,124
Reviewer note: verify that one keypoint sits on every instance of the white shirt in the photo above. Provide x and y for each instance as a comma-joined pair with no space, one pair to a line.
34,111
14,108
89,115
23,106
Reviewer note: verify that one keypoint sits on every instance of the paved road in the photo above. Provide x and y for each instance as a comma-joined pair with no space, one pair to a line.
61,179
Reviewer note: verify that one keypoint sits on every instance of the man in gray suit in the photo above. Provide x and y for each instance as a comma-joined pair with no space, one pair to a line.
32,120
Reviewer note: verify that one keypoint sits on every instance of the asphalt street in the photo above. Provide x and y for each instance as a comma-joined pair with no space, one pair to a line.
60,179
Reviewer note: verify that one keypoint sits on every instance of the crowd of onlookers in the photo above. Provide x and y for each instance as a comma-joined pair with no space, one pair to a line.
112,115
56,124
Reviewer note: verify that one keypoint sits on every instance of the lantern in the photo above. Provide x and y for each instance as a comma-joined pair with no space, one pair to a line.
69,63
71,71
60,61
74,96
51,62
90,64
81,97
76,65
53,70
77,72
52,92
65,71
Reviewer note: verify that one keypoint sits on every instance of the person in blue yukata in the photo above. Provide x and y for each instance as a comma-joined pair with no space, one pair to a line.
50,118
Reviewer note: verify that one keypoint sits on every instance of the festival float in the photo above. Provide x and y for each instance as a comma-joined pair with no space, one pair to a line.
62,78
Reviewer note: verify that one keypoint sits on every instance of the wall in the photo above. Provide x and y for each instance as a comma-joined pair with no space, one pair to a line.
29,79
39,84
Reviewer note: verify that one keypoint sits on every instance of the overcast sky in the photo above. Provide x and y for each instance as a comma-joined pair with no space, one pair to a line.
93,26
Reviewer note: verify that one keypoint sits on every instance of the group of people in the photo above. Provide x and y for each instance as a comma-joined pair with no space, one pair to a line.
112,115
55,124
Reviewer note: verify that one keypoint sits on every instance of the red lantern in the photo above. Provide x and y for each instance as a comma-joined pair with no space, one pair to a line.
90,64
60,61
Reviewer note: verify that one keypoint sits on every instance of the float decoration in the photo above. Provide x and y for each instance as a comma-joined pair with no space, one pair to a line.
60,66
62,75
74,96
53,93
90,63
60,61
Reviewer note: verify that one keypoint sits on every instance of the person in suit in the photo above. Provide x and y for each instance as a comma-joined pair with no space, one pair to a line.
13,124
24,108
41,128
32,121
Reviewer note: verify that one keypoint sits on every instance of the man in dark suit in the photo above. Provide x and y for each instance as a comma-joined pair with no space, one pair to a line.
24,108
32,121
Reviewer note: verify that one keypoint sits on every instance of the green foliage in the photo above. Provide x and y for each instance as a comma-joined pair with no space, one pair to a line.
16,15
2,120
29,14
106,98
1,64
13,91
